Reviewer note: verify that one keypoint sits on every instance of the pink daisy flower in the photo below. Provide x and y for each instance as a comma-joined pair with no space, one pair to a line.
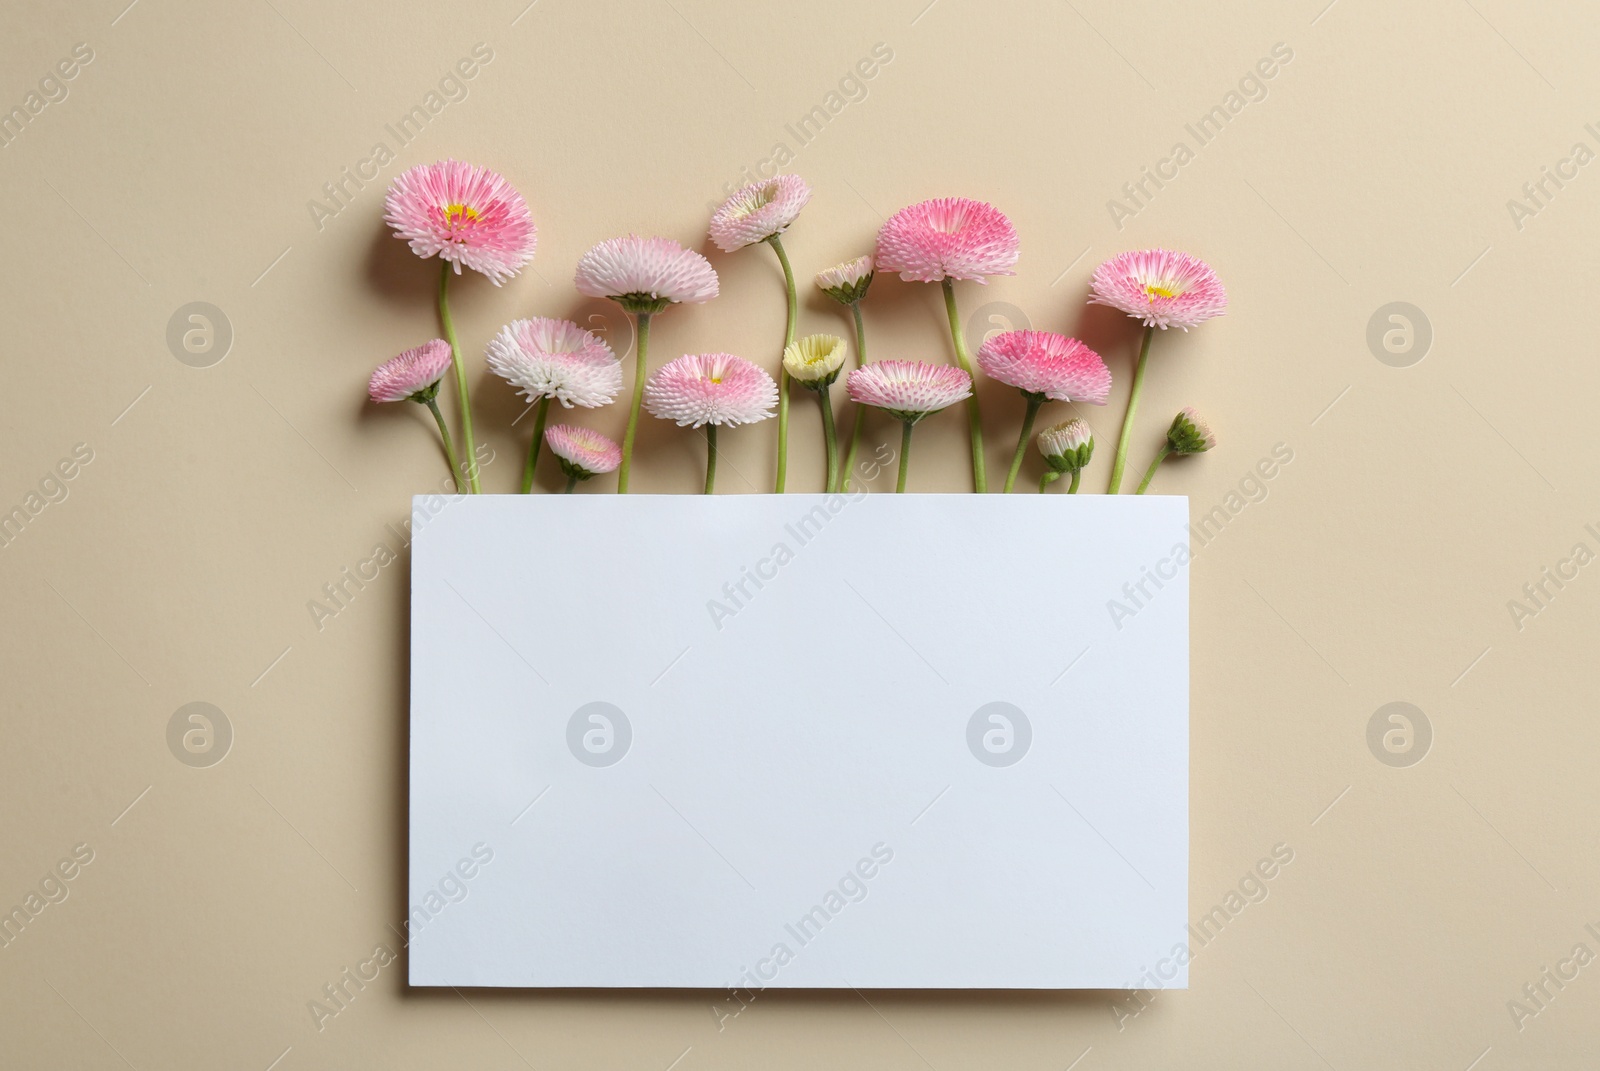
464,215
909,390
545,358
941,241
646,274
948,238
758,211
761,212
411,373
582,452
1042,362
415,376
711,388
1160,288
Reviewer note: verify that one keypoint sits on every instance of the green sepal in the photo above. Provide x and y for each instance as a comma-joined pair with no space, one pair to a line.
640,303
426,394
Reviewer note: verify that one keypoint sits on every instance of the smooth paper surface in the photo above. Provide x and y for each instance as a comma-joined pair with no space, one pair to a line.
888,741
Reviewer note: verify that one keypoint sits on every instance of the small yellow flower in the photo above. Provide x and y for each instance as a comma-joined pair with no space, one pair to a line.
815,360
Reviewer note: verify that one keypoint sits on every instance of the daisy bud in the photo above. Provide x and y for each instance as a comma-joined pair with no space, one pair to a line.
847,283
1067,446
814,360
1189,434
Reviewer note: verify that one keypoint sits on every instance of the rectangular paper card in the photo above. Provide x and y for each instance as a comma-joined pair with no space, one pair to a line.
888,741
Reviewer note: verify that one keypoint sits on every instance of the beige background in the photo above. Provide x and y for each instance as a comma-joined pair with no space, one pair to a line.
179,168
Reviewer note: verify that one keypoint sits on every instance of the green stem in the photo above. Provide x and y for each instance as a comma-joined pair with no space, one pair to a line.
711,456
980,478
1034,401
533,447
1072,488
633,407
1150,473
905,456
830,441
1047,479
449,446
572,481
461,376
858,415
783,374
1127,421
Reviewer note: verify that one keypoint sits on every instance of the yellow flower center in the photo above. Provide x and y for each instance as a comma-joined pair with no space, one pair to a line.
1152,290
457,214
752,203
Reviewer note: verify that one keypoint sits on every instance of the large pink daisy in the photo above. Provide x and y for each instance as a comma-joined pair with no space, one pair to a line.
711,388
645,274
412,372
758,211
909,390
1043,362
1160,288
947,238
462,214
